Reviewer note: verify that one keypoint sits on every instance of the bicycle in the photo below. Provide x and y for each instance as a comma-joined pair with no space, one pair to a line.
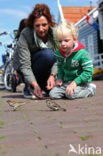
8,66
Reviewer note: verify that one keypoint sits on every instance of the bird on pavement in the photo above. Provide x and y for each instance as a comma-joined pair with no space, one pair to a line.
54,106
15,104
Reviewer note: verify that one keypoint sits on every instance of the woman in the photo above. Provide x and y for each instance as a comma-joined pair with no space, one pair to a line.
34,54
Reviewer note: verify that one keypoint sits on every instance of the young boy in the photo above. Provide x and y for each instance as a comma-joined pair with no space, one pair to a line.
74,66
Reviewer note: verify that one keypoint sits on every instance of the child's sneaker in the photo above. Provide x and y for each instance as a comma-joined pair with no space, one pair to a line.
92,87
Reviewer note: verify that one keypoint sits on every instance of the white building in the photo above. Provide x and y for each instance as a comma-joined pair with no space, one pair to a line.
92,38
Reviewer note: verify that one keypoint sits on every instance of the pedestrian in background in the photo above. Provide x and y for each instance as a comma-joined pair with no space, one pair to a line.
22,25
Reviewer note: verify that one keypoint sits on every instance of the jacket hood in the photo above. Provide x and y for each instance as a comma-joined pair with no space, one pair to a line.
77,46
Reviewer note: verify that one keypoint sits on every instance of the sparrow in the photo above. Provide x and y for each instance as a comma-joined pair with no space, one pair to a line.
54,106
15,104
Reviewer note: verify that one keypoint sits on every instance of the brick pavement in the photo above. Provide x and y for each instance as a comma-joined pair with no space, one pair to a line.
34,130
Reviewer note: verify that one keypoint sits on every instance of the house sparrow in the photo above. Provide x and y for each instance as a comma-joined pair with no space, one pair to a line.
15,104
54,106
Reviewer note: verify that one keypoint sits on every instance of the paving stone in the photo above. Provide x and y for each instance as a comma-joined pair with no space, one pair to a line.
34,130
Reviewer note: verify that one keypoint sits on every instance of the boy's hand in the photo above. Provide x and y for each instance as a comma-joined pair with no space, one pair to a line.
59,82
71,88
51,82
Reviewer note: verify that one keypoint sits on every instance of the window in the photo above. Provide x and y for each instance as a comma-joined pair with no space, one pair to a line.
83,42
90,45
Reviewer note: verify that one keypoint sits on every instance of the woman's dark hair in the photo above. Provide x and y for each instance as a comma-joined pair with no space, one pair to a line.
22,25
38,11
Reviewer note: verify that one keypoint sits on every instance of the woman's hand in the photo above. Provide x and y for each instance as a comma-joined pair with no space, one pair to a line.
71,88
59,82
37,90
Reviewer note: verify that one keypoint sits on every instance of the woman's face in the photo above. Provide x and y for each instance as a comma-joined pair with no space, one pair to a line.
41,26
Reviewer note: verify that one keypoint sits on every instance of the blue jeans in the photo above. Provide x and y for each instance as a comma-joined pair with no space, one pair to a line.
42,62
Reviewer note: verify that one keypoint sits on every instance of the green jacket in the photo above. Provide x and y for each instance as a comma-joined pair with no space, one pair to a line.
77,66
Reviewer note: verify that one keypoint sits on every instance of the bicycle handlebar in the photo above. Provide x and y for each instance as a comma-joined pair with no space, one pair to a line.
4,33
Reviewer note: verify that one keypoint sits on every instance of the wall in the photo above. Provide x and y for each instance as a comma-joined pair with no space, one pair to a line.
88,36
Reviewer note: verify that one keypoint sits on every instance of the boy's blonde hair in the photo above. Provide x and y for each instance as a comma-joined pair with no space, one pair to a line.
62,30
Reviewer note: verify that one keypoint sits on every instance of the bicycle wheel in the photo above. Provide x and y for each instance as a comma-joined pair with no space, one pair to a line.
13,83
8,76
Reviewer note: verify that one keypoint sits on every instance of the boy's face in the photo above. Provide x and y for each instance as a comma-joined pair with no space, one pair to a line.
66,43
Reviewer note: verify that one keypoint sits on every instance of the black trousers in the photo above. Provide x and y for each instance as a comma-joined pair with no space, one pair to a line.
42,62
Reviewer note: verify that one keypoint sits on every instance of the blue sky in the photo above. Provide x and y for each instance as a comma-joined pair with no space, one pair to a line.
12,11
